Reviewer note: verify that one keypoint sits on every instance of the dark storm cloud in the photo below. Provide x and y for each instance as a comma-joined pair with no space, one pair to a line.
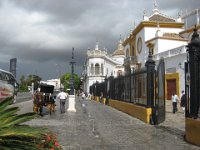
43,32
180,4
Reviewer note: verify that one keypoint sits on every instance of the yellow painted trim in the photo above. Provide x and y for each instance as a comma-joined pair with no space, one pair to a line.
192,131
128,40
104,100
139,112
150,45
173,76
97,99
151,24
155,23
166,38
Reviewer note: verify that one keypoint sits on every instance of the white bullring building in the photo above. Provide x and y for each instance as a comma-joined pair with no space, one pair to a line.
165,37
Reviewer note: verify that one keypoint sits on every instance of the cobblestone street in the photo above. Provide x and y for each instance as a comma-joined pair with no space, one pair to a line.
100,127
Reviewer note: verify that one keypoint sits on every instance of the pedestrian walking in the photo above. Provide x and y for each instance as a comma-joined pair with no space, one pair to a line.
62,97
183,101
83,95
175,99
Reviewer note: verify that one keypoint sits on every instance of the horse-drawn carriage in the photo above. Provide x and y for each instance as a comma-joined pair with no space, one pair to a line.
44,97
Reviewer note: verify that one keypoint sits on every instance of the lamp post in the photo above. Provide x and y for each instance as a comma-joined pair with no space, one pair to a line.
72,63
71,106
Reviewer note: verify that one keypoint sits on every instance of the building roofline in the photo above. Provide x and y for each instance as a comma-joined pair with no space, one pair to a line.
165,38
152,24
155,24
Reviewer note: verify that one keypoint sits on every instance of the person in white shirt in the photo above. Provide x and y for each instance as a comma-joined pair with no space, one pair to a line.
63,97
183,101
175,99
83,96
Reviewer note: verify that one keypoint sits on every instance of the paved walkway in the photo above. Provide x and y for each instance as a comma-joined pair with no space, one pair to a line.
100,127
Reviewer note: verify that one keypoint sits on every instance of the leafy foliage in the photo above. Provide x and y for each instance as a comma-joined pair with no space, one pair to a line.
13,135
65,80
33,79
24,83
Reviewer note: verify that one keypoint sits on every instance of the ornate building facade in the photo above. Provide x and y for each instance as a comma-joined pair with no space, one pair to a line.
165,37
100,65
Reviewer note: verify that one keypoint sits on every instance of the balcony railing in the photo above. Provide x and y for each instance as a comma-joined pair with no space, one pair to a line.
170,53
130,59
93,53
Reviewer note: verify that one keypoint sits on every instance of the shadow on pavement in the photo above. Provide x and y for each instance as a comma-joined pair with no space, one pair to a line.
173,131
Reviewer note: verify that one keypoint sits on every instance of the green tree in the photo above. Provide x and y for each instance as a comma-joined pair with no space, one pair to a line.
23,84
33,79
65,80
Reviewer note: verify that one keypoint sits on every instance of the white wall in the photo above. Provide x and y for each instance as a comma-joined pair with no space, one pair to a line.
109,69
148,33
142,56
173,62
164,44
119,59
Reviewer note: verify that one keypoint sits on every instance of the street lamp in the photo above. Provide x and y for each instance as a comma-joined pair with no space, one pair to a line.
72,63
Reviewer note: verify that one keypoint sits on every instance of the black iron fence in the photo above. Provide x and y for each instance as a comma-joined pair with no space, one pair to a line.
138,88
130,88
192,80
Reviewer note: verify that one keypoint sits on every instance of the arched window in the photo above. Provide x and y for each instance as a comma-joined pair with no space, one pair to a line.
152,50
92,69
119,72
97,69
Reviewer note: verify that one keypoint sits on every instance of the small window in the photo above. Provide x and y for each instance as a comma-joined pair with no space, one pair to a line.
92,69
139,45
97,69
152,50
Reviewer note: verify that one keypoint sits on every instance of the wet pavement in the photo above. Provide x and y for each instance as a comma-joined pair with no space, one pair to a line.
95,126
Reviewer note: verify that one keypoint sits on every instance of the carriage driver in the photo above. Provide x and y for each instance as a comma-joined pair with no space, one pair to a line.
38,101
62,96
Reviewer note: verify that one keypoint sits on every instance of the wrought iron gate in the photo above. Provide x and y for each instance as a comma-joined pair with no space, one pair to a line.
160,93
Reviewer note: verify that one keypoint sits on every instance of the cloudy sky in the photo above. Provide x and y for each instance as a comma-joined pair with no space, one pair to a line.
41,33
